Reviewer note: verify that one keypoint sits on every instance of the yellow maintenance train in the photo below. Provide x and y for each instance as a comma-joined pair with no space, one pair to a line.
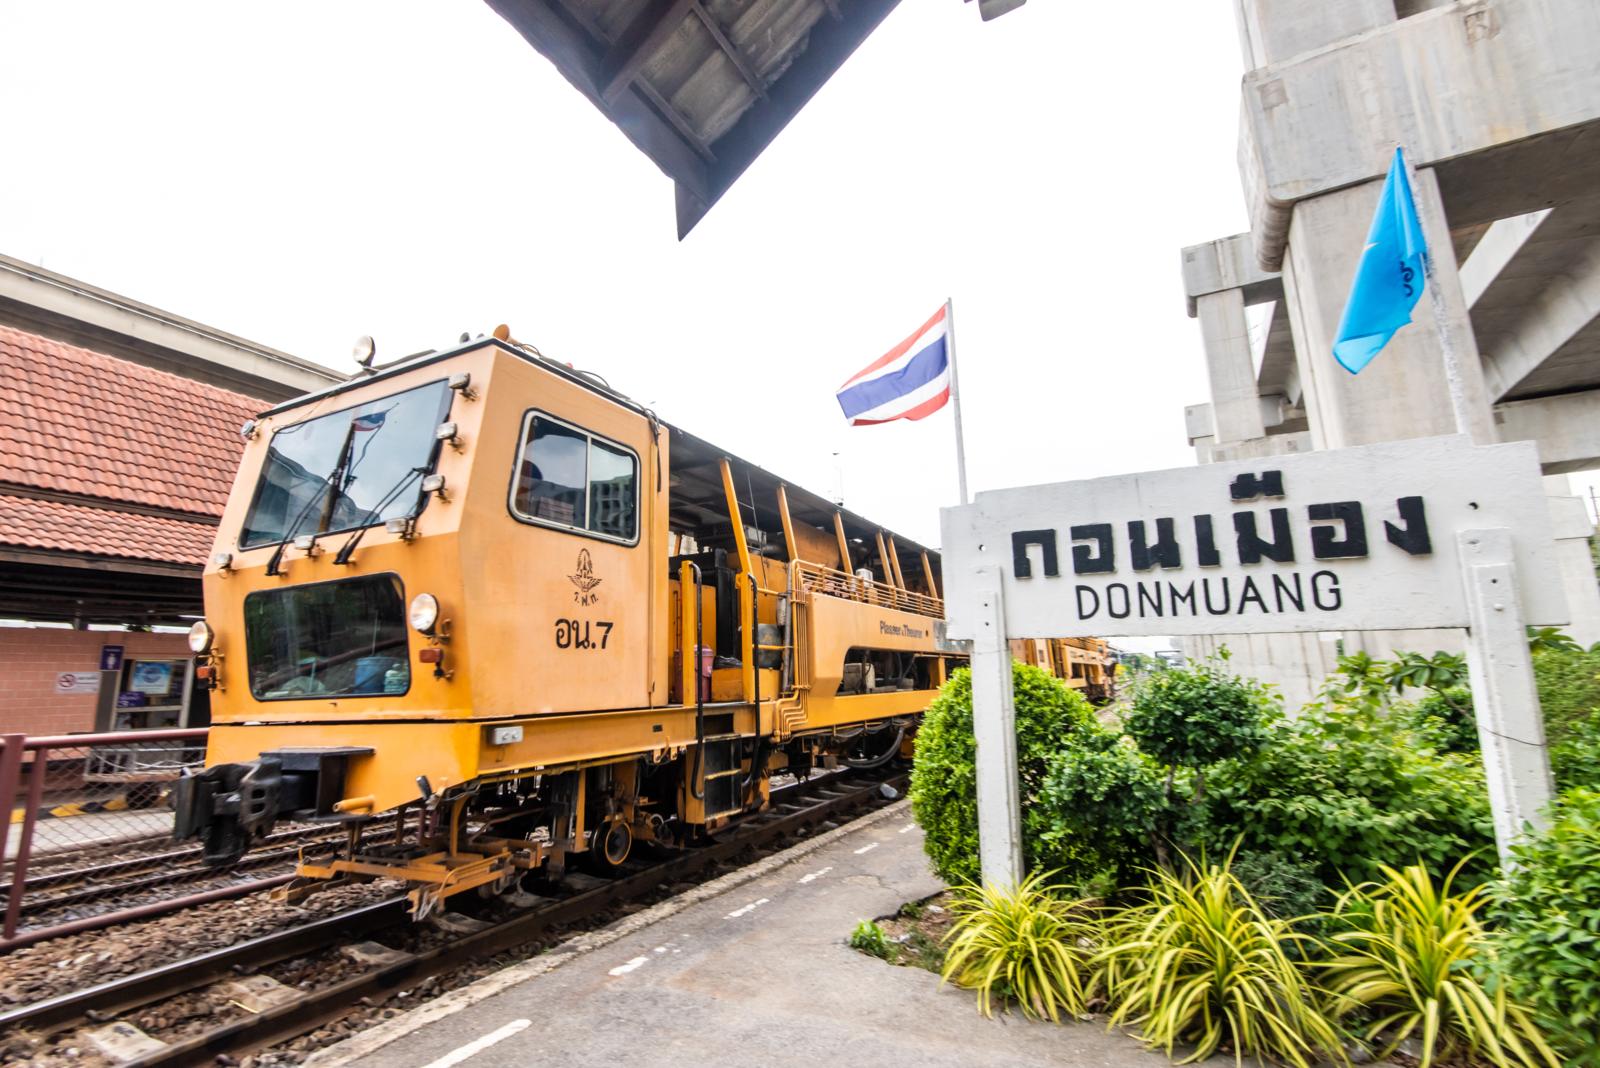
492,615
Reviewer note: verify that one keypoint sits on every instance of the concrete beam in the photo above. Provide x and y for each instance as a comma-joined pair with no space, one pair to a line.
1567,304
1566,429
1495,250
55,306
1227,263
1259,449
1273,30
1235,404
1441,82
1200,421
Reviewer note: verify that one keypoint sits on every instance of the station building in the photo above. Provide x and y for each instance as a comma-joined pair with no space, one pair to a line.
1497,103
119,435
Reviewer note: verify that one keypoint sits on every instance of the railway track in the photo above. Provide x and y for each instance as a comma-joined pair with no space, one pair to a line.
794,810
164,859
69,899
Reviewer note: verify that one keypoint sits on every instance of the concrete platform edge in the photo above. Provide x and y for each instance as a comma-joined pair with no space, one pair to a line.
375,1038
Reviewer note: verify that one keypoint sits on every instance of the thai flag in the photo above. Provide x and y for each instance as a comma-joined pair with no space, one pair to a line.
370,421
910,381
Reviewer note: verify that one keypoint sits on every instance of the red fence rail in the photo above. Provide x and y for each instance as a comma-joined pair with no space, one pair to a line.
96,791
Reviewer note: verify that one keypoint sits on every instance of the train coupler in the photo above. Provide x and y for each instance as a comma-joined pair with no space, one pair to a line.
229,805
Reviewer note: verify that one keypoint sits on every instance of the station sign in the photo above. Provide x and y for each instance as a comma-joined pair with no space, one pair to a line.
111,657
1350,539
1434,532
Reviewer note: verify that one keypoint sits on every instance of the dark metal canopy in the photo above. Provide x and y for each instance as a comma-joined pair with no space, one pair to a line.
700,86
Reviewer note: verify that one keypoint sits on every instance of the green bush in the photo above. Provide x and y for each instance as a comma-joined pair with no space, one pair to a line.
1575,759
1195,716
1547,927
944,795
1286,887
1569,688
1349,789
1102,801
1443,720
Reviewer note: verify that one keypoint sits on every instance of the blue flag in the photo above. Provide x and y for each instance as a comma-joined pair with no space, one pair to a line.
1389,277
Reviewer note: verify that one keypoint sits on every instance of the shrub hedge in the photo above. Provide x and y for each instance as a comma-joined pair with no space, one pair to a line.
944,791
1547,927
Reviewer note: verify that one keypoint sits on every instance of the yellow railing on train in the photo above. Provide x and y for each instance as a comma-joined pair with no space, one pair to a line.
815,578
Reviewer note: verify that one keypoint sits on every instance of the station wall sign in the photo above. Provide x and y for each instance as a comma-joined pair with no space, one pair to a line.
1352,539
78,682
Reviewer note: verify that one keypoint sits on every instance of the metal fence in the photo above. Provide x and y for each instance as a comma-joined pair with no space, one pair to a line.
81,801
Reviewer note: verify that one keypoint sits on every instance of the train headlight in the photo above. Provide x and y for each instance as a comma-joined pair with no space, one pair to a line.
424,613
200,638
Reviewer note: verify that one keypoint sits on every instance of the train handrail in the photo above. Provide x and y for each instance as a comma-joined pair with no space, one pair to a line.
817,578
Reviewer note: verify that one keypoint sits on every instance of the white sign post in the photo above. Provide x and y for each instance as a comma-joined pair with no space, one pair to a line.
1429,533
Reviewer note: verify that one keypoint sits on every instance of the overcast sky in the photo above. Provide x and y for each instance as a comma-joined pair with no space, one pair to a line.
303,173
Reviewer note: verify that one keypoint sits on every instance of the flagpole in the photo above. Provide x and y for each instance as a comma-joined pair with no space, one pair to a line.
955,394
1454,377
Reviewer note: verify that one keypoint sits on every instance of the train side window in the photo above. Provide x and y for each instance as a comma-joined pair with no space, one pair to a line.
567,477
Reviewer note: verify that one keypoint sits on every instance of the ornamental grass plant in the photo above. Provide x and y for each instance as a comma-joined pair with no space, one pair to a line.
1406,961
1200,962
1032,945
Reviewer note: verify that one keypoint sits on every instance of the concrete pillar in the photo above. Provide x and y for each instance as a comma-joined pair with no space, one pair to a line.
1569,520
1235,402
1274,30
1296,665
1403,393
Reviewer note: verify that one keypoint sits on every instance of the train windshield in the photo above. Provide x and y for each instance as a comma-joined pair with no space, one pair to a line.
347,469
328,639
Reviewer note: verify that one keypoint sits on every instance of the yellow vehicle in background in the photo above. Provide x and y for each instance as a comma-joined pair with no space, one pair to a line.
492,616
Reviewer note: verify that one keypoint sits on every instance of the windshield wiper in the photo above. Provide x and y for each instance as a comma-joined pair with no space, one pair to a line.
340,468
349,546
288,535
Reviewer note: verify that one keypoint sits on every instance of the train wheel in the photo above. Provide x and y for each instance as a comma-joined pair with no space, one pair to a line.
612,844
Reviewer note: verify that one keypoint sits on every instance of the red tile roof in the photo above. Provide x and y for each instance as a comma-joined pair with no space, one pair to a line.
84,424
75,421
75,528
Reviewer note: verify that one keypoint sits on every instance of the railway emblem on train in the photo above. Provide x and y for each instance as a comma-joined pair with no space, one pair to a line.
585,580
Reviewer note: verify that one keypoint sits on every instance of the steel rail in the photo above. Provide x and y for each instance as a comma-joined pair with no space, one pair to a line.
96,891
135,991
55,877
793,808
158,908
142,912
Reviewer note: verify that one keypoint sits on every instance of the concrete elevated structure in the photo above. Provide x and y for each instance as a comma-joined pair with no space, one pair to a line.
1497,103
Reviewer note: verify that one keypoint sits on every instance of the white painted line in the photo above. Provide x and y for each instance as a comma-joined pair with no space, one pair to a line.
812,876
908,828
478,1045
744,909
869,847
624,969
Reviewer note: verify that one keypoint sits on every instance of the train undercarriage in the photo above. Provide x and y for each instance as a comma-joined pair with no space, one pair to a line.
486,835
